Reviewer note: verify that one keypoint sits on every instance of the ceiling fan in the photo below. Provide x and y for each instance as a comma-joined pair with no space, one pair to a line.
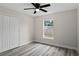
38,7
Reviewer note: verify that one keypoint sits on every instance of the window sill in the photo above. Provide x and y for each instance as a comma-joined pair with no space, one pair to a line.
48,37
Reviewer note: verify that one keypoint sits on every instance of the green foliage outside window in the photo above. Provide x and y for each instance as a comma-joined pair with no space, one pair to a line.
48,23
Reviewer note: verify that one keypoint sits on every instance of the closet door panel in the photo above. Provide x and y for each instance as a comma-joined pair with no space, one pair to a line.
5,33
16,32
11,30
0,33
14,41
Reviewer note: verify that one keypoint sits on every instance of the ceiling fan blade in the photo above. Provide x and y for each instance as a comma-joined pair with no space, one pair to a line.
34,12
43,10
47,5
34,5
28,8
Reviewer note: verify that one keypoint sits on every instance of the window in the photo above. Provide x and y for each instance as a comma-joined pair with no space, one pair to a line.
48,29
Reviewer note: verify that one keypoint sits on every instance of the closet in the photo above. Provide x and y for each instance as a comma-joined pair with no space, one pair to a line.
9,32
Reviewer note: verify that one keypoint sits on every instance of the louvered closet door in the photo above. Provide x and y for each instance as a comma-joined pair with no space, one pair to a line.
14,32
9,33
0,33
5,33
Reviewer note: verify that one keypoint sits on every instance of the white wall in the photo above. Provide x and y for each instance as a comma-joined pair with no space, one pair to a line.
65,29
16,29
78,30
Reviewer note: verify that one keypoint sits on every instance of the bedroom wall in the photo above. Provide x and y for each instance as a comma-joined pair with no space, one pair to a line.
78,30
65,24
16,29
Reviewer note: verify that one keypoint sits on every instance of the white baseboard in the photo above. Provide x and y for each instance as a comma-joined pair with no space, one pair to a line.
15,47
64,46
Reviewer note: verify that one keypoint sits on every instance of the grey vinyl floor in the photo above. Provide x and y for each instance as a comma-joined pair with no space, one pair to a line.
38,49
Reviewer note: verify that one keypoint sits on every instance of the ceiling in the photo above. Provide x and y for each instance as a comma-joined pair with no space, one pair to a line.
55,7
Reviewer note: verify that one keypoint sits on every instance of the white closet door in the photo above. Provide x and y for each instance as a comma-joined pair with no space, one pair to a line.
14,33
5,33
9,33
0,33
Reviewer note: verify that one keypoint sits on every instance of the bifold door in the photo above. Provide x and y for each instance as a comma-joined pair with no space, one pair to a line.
9,32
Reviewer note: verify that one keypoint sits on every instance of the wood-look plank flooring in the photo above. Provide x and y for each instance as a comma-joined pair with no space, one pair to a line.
38,49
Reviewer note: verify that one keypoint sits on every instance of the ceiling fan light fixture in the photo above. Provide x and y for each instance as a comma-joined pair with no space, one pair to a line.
37,9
